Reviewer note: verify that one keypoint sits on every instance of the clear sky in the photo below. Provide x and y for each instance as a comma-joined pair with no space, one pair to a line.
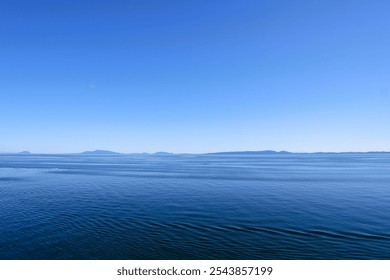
194,76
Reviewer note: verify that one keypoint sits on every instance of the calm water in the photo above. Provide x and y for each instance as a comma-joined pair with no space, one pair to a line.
195,207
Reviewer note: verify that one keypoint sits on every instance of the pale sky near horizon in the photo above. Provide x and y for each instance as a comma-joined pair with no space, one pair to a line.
194,76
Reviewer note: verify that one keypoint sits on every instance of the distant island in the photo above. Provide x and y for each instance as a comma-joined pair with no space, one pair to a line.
99,152
162,153
271,152
25,153
266,152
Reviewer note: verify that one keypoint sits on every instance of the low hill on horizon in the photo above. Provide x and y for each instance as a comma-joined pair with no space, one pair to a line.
99,152
266,152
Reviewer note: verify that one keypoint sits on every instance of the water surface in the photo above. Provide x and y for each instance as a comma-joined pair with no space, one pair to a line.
294,206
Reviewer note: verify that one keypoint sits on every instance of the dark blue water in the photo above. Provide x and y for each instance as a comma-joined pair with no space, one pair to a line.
195,207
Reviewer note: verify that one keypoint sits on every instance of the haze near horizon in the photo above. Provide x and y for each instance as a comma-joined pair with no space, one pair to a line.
194,76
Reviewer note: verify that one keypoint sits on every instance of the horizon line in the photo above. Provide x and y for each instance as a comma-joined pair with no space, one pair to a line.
109,152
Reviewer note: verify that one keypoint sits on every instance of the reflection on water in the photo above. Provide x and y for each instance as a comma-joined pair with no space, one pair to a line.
324,206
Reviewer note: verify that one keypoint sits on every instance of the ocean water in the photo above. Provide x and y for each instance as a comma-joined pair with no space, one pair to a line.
295,206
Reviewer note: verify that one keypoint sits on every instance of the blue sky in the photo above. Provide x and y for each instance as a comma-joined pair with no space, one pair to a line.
194,76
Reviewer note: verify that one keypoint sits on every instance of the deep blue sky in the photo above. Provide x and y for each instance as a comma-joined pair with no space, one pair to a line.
194,76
